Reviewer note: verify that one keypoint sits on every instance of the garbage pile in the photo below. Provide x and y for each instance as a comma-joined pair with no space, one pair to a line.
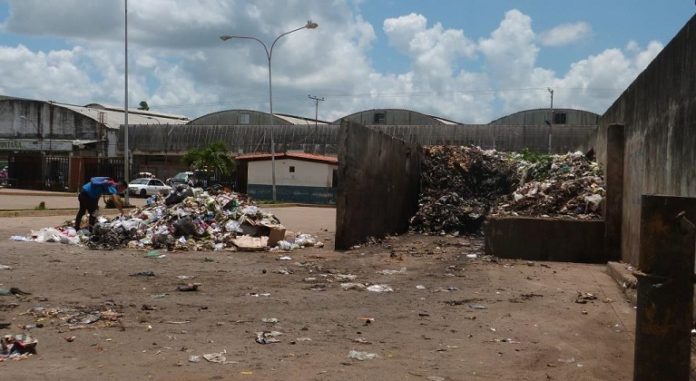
459,186
463,185
186,219
567,185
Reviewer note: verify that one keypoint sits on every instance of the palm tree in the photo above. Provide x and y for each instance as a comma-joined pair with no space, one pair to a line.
214,157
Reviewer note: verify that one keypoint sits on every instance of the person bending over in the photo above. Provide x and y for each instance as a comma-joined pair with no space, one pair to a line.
90,194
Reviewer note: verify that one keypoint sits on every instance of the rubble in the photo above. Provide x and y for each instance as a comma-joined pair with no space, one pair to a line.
461,186
187,219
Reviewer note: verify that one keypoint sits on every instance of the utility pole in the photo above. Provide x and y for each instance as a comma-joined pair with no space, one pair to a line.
316,108
550,119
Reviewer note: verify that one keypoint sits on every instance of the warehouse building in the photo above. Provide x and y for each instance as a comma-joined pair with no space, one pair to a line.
53,145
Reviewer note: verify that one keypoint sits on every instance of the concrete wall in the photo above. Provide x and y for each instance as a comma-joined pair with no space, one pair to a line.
658,111
307,173
323,139
378,185
545,239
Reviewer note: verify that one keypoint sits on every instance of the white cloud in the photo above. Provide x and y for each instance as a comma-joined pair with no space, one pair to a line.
179,65
566,34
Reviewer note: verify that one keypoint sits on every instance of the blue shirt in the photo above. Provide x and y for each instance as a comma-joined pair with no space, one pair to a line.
98,186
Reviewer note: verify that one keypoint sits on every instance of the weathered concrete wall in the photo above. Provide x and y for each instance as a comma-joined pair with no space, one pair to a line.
378,185
323,139
658,111
545,239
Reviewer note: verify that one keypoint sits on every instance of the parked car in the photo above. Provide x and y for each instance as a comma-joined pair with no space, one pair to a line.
147,187
187,178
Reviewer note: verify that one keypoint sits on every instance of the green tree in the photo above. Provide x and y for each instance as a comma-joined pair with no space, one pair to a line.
143,106
214,157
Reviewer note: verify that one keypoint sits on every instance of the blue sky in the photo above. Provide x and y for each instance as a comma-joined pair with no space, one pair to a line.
470,61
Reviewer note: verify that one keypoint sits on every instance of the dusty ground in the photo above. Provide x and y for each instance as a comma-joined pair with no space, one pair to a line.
531,327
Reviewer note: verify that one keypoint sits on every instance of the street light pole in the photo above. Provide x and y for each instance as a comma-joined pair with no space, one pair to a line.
269,56
125,105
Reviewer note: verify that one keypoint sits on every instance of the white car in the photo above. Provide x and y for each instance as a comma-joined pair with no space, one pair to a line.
146,187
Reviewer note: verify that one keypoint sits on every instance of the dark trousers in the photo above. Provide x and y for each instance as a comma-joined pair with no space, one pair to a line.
87,204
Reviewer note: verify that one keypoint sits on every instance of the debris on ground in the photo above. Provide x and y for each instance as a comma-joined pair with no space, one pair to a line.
267,337
13,291
584,297
188,287
188,219
79,317
17,347
461,186
361,356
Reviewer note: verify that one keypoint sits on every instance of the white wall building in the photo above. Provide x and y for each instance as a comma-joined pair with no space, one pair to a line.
300,177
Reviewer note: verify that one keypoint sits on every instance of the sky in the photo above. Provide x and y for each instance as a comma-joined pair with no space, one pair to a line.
471,61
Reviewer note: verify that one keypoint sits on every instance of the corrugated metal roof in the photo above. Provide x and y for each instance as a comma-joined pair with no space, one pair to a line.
114,117
298,119
289,155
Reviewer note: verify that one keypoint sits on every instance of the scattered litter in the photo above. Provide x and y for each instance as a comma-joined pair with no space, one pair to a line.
420,287
143,273
13,291
361,356
380,288
353,286
184,277
285,258
69,339
257,294
361,340
218,357
19,238
270,320
17,347
471,256
178,322
392,272
194,358
476,306
4,267
188,287
435,378
267,337
584,297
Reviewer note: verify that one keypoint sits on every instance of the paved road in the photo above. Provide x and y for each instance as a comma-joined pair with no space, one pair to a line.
14,199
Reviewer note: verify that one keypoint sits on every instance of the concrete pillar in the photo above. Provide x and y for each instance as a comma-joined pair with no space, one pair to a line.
613,204
665,288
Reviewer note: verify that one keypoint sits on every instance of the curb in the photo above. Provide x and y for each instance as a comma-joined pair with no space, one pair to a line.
622,274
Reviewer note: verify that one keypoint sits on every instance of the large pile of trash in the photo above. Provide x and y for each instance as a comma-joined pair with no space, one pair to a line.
186,219
567,185
463,185
459,186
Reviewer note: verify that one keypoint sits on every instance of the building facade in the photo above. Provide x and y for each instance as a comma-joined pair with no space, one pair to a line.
300,177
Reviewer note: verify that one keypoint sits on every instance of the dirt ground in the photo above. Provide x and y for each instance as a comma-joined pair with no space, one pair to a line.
450,317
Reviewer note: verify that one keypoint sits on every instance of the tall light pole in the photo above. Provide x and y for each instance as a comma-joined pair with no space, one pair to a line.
316,108
269,55
125,104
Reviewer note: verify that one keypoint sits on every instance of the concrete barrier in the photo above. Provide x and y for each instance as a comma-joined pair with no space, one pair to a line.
545,239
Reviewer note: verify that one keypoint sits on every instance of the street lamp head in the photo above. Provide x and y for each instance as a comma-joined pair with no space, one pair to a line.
225,37
311,25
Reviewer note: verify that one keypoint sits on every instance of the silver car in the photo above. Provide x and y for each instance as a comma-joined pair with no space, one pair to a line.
147,187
